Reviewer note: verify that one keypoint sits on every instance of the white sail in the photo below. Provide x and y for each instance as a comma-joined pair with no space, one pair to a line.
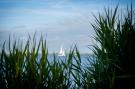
61,52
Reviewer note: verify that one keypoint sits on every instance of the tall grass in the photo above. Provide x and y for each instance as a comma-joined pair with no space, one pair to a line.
22,67
115,55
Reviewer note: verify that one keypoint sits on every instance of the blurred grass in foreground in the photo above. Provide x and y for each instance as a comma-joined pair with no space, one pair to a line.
22,68
114,67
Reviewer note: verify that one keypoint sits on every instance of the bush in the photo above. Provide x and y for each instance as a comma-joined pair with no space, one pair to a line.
115,56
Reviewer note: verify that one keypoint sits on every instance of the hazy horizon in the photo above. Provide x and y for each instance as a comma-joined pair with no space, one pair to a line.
61,22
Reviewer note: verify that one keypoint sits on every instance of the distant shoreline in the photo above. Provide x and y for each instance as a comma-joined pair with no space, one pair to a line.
68,53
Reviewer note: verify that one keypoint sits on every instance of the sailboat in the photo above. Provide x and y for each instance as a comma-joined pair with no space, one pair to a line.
61,52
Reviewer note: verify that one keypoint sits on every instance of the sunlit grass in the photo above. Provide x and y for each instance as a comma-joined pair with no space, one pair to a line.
23,67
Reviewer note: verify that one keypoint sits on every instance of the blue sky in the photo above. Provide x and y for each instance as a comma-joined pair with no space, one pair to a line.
64,22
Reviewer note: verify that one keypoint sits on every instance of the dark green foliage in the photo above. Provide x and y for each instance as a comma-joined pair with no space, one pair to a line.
22,67
115,53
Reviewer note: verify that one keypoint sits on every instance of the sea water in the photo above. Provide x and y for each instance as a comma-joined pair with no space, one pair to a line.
84,61
84,58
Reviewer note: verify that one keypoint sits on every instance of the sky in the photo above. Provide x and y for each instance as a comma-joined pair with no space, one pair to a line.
61,22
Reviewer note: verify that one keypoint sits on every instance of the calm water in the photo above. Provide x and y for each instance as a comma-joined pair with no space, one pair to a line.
84,61
84,58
